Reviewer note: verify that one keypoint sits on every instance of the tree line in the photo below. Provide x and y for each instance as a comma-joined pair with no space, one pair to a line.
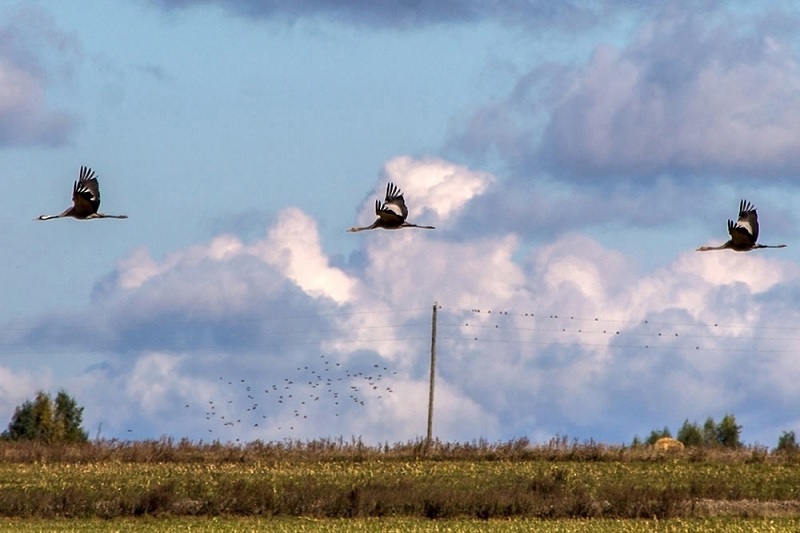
725,434
51,420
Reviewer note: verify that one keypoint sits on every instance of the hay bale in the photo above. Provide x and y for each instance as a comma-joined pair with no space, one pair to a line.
667,444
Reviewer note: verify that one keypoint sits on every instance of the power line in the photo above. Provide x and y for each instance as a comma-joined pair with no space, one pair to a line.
571,317
494,327
661,334
620,346
236,319
253,346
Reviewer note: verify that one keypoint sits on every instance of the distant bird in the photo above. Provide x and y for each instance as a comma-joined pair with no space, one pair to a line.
85,199
392,214
744,232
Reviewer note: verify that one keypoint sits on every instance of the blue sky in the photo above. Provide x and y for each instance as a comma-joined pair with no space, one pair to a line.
572,156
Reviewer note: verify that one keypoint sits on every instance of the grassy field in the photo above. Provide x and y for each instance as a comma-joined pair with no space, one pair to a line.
399,525
347,486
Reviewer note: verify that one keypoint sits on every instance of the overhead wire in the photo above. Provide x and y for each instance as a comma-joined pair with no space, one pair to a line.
562,316
502,332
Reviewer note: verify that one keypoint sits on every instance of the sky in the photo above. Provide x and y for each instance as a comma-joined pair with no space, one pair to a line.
572,157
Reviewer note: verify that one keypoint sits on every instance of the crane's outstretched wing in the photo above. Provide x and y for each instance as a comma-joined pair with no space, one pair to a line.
740,235
748,219
86,193
394,210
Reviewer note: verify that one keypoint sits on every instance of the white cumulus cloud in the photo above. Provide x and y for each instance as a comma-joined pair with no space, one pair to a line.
273,338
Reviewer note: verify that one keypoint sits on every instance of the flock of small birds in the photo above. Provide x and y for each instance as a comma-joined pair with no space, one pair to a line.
327,388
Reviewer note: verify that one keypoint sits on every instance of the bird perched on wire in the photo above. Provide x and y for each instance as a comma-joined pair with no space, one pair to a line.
85,199
392,214
744,232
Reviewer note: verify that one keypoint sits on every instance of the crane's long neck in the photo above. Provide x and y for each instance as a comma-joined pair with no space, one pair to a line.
355,229
709,248
50,217
66,213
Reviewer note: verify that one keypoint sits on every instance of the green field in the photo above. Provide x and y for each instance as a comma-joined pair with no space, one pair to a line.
347,486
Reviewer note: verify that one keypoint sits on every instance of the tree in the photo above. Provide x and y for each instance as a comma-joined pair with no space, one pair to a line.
47,421
690,434
787,443
725,434
709,432
68,417
728,432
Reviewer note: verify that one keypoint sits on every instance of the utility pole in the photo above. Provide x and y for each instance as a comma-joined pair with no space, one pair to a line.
429,439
